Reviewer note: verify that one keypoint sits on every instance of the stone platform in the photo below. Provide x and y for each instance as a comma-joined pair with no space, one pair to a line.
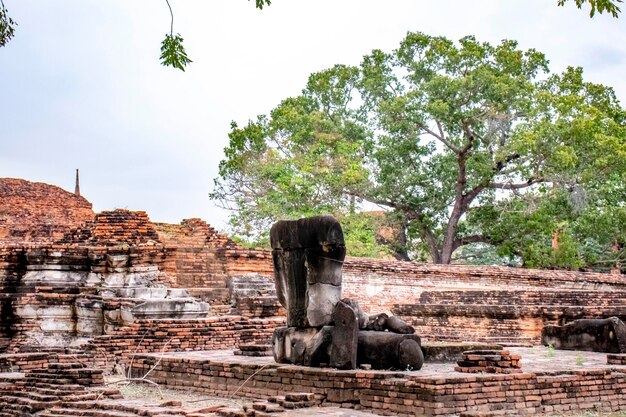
550,382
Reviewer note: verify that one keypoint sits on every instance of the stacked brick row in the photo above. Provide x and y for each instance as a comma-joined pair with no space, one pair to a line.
43,358
114,228
214,333
108,408
254,349
525,297
245,261
194,232
21,362
92,258
273,405
198,260
482,275
514,321
616,359
491,361
66,373
260,306
60,380
399,394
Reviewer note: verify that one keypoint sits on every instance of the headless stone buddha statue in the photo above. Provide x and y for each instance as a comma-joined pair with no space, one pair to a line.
322,328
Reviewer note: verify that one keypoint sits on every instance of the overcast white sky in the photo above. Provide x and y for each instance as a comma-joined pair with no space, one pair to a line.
81,85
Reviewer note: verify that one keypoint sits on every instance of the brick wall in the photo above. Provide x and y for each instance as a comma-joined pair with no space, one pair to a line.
115,227
395,393
197,263
505,315
47,304
393,280
213,333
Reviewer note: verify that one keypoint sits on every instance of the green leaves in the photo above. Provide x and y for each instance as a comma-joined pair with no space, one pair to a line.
261,3
173,53
600,6
7,26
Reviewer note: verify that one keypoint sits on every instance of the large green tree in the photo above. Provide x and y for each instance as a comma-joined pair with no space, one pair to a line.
461,142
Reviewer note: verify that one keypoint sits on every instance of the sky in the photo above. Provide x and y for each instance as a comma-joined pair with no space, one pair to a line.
81,85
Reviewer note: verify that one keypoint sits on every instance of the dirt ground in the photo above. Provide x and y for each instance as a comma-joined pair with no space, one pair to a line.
191,400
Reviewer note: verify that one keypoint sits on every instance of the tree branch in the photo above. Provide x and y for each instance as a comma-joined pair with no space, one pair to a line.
518,186
172,22
440,137
471,239
497,169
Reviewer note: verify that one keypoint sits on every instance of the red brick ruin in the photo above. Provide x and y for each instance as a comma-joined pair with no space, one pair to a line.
85,294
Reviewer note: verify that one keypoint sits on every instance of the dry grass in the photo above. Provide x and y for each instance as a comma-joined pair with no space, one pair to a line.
190,400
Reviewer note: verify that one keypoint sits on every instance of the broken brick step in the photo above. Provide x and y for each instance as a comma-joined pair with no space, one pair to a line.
17,409
60,369
254,347
88,413
19,400
501,364
616,359
487,369
267,407
497,413
299,396
54,389
35,381
231,412
106,407
74,396
126,408
69,365
253,353
14,406
488,352
291,405
37,396
65,378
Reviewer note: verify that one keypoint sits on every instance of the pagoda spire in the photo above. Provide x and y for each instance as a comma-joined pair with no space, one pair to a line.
77,187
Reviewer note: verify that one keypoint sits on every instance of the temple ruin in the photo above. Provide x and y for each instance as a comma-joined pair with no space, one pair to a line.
84,295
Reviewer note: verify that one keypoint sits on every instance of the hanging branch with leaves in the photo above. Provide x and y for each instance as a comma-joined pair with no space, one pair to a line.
172,51
261,3
7,25
600,6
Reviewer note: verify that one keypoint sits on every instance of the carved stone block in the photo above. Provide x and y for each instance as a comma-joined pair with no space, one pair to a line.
386,350
597,335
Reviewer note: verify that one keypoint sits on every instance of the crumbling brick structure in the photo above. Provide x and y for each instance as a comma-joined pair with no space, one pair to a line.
38,212
116,284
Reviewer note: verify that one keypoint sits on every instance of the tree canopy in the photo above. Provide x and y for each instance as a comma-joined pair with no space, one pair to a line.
461,143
